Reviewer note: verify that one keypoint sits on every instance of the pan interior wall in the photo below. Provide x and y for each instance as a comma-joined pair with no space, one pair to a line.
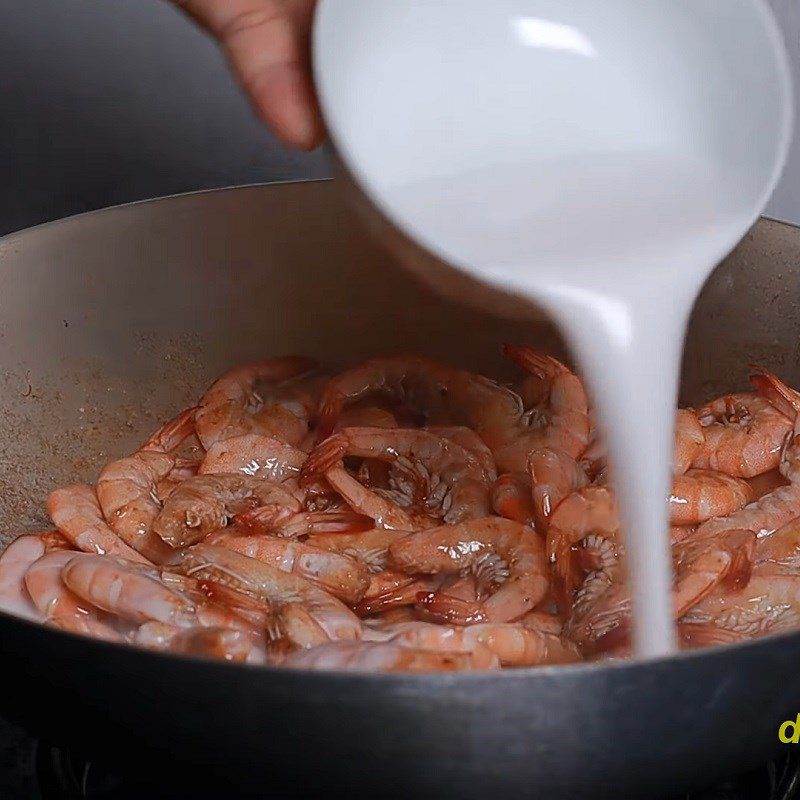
111,322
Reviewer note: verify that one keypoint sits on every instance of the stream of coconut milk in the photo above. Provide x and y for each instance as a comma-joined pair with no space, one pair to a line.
620,276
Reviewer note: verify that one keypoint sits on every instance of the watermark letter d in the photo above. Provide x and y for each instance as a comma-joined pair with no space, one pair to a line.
789,731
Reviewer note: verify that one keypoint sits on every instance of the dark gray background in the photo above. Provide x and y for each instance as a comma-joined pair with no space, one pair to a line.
105,101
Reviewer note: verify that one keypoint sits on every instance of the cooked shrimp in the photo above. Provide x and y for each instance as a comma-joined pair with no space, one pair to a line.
54,540
774,510
15,562
589,511
471,442
514,645
511,497
386,657
268,584
338,574
743,434
128,493
370,548
779,554
385,513
700,494
554,476
274,520
689,440
556,415
125,589
437,394
387,589
390,590
58,604
76,513
366,415
769,603
601,613
242,401
413,382
502,553
255,455
128,489
225,644
432,472
764,517
205,503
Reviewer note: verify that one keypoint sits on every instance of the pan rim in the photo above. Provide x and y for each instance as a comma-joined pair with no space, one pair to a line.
7,238
545,672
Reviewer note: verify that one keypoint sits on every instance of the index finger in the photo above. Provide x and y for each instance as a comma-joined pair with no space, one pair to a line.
266,42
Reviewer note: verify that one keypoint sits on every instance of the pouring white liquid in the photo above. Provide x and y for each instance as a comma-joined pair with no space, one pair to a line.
599,158
624,314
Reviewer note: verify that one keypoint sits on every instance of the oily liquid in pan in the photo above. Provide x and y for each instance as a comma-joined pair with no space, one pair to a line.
625,317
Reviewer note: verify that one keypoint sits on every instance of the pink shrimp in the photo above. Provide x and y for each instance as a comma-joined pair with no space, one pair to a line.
556,415
61,607
768,603
390,590
773,510
434,393
337,573
127,590
15,562
511,498
225,644
699,495
410,381
254,455
689,440
128,489
743,433
514,644
236,403
274,520
554,475
600,616
502,553
323,617
589,511
205,503
386,657
431,472
76,513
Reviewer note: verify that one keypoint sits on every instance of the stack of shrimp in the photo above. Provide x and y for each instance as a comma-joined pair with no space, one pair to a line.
405,515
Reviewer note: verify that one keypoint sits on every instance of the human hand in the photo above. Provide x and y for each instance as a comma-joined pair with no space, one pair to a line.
267,44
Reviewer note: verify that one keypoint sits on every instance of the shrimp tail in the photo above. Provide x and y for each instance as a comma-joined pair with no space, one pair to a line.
769,386
404,595
344,521
327,414
264,519
442,608
531,360
323,457
170,435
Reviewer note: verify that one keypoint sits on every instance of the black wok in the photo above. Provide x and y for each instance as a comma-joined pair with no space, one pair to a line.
111,321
